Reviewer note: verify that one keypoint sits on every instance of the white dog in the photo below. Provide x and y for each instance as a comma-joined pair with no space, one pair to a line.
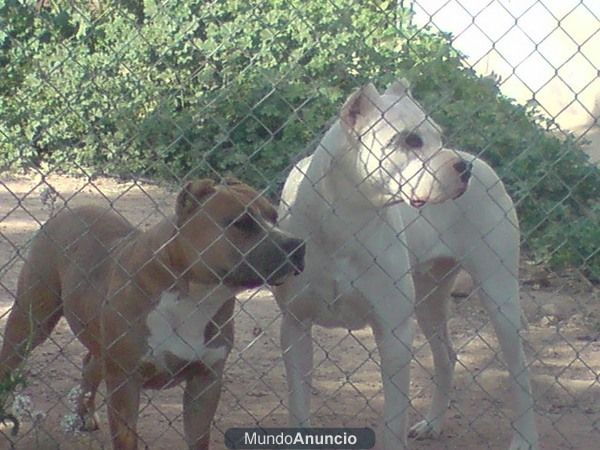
371,259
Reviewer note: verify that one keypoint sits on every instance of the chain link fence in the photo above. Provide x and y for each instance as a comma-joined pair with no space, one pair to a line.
120,104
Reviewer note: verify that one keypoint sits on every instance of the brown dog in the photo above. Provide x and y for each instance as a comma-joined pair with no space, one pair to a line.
153,308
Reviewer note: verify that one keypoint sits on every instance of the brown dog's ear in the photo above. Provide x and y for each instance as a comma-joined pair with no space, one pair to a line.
359,108
191,196
231,181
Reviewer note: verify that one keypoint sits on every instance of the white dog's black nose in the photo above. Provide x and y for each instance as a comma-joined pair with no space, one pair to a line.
464,169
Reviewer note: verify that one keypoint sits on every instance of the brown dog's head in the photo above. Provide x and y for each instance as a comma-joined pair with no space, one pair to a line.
227,233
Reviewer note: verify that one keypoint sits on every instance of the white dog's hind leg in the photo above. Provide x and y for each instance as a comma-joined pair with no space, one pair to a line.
499,292
431,308
297,347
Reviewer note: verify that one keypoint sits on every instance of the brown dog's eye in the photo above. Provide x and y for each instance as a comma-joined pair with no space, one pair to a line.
413,140
245,223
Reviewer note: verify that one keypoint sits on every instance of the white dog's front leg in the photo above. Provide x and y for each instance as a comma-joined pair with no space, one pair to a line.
395,350
297,347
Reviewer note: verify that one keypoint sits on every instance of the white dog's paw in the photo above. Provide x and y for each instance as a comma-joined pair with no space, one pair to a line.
521,443
425,429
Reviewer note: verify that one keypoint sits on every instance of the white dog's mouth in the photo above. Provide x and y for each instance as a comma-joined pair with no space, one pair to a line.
417,203
420,202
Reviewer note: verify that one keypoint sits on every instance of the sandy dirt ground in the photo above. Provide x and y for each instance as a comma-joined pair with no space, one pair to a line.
562,344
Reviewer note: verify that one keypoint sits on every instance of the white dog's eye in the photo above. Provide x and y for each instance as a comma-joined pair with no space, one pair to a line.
413,140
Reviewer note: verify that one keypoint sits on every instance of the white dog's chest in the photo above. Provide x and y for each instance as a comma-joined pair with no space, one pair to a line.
349,310
177,326
334,300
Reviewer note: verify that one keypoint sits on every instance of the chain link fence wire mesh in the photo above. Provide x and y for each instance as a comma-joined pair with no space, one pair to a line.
119,104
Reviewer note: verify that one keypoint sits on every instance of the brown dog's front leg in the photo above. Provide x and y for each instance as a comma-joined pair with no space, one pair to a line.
123,409
200,400
203,390
86,403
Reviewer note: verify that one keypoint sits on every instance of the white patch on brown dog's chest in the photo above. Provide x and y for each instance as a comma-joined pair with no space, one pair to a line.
177,325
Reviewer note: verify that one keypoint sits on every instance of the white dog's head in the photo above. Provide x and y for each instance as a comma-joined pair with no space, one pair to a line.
400,156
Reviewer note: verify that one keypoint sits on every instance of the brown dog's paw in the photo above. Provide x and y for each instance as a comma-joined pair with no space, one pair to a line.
89,422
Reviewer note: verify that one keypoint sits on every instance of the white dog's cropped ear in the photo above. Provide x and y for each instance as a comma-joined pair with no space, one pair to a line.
360,107
399,88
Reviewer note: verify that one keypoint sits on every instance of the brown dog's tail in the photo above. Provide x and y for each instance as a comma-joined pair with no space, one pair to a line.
37,307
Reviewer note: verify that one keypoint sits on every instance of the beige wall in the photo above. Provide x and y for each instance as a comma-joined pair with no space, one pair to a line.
546,51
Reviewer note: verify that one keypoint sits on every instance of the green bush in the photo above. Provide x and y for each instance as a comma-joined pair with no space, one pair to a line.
193,87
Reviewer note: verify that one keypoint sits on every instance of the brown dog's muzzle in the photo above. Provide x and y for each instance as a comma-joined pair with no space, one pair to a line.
276,257
295,249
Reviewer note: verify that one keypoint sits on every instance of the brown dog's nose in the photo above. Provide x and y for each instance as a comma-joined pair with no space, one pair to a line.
296,249
464,169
